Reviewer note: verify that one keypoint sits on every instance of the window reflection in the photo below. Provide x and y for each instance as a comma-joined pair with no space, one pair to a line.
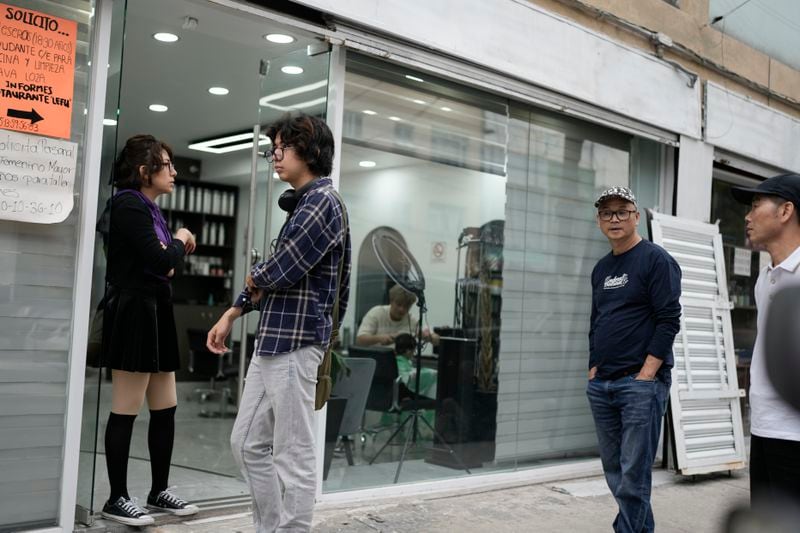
495,202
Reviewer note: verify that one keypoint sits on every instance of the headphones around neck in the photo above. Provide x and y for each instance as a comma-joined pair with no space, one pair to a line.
289,198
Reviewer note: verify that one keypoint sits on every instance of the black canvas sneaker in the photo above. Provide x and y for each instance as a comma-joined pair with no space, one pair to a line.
127,512
169,503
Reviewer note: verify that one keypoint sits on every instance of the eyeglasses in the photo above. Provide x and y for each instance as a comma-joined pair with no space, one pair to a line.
276,154
622,214
169,164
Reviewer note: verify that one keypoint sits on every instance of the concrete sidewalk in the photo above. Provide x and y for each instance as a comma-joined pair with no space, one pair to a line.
681,505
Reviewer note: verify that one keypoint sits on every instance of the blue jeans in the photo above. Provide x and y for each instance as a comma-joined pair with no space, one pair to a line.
627,416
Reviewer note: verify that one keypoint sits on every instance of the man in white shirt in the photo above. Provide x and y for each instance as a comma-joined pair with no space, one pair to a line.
773,224
383,323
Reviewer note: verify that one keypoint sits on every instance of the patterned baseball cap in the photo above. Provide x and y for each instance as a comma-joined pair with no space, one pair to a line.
616,192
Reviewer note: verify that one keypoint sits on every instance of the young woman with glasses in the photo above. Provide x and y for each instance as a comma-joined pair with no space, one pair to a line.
140,345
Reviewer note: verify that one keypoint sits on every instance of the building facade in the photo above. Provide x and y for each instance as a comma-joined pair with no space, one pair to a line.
476,133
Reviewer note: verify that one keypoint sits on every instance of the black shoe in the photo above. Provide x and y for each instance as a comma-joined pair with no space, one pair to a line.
127,512
169,503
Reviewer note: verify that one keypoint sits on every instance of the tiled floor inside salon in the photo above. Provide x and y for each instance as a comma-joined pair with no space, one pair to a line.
203,467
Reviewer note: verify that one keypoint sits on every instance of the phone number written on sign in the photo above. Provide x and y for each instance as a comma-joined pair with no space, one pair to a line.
31,207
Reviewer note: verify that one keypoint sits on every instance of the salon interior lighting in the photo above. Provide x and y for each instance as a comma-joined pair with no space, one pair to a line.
165,37
271,100
158,108
279,38
219,91
292,69
367,164
229,143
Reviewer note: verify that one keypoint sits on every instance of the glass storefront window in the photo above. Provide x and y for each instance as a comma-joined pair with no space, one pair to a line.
495,201
557,167
492,198
425,161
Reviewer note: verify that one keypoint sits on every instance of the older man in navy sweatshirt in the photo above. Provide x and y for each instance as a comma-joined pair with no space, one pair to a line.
635,316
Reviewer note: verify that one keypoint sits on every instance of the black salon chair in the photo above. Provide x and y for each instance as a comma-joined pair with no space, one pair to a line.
387,393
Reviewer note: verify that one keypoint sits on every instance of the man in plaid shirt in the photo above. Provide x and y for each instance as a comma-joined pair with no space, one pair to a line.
295,290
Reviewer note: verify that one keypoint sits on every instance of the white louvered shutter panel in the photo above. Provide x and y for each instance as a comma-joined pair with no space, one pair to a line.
706,415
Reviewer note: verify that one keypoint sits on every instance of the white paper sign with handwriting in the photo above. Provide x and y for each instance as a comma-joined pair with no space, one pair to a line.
37,176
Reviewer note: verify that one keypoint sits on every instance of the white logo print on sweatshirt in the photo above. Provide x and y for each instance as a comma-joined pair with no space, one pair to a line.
615,283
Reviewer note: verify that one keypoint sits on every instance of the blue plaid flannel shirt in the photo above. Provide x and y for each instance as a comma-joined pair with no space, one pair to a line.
299,279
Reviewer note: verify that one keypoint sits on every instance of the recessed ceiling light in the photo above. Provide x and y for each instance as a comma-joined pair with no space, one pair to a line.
229,143
158,108
367,164
219,91
279,38
165,37
396,119
414,78
445,108
420,102
291,69
275,175
271,100
369,112
109,122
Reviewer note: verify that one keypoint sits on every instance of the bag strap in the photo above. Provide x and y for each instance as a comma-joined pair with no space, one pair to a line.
324,381
346,227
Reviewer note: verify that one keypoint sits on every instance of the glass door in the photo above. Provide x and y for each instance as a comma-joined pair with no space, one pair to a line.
208,84
97,381
296,82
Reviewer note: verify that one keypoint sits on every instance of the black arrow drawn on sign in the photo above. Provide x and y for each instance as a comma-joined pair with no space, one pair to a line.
31,115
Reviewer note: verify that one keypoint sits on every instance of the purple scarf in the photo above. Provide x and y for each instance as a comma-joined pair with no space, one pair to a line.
159,223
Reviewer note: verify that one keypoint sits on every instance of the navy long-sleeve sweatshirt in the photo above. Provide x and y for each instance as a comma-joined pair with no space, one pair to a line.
635,309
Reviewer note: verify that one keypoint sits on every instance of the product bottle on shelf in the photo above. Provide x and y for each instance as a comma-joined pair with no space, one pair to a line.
215,202
212,235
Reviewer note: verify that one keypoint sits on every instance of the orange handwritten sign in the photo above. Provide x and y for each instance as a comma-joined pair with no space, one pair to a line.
37,69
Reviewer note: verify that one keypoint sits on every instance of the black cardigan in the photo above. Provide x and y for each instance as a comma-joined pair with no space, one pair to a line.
134,251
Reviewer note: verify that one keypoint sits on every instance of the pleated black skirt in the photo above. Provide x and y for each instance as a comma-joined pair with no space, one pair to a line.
139,330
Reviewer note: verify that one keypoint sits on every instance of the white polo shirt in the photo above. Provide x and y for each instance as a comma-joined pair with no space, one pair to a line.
770,416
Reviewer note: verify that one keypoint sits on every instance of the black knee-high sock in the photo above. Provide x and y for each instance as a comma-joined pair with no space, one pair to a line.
160,436
118,445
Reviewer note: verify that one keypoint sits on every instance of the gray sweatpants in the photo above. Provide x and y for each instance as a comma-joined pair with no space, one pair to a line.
273,439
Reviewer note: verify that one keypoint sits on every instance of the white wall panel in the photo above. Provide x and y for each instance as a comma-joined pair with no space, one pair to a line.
529,43
736,123
695,165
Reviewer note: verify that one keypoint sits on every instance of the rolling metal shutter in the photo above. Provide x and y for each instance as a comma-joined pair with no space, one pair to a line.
704,398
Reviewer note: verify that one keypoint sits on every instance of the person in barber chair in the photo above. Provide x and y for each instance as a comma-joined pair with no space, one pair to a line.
383,323
405,348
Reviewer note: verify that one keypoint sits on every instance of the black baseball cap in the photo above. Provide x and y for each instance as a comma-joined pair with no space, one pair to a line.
786,186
